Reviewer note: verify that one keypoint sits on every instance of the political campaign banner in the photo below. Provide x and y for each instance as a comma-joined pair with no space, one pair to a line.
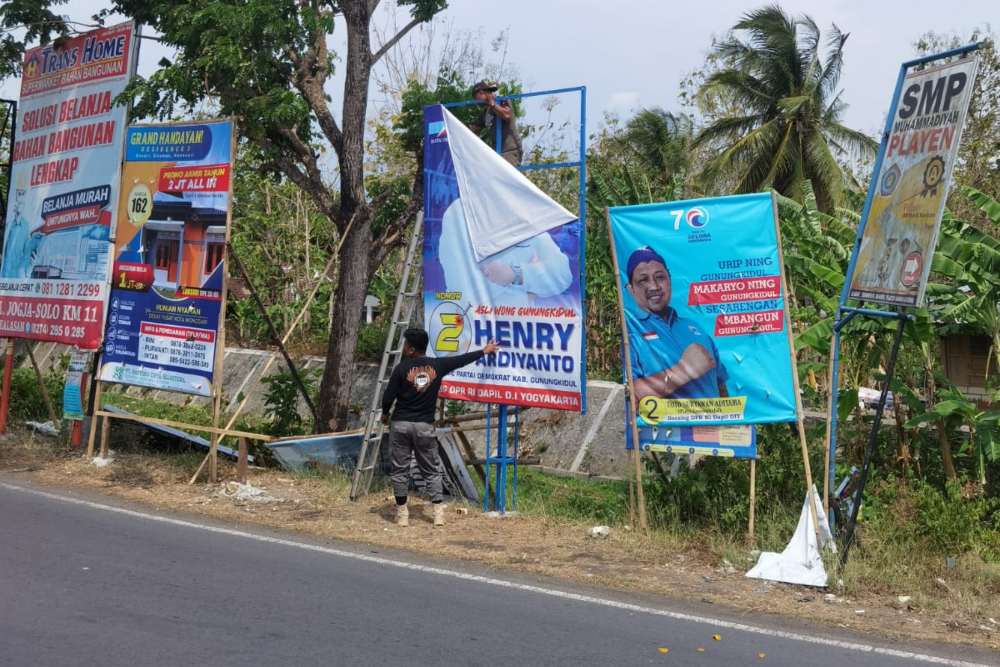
64,186
73,387
703,297
168,281
910,185
502,261
735,442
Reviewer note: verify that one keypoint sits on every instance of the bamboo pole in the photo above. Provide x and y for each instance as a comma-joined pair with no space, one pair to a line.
753,502
799,412
95,417
182,425
640,497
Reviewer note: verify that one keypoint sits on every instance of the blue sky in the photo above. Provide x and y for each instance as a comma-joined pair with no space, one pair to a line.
632,53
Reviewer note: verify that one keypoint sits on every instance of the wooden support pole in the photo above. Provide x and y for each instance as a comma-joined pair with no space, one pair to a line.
182,425
640,496
95,416
799,412
640,493
630,488
197,472
213,449
471,454
273,332
53,417
105,434
241,464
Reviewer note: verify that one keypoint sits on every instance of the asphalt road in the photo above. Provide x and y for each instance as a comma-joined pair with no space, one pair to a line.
86,581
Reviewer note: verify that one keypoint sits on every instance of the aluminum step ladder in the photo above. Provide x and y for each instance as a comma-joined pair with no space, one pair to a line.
402,313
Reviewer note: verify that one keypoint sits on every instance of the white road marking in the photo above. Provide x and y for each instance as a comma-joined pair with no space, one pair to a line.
503,583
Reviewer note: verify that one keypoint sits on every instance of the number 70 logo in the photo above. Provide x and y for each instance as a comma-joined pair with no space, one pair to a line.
696,217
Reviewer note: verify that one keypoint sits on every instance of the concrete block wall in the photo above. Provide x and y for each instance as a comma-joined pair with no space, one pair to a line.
589,444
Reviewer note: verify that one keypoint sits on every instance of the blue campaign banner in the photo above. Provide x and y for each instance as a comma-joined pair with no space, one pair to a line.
704,304
168,283
501,261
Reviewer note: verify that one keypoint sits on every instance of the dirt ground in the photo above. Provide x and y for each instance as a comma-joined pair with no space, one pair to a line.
625,561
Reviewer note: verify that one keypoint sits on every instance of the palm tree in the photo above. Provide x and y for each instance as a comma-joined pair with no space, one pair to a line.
782,124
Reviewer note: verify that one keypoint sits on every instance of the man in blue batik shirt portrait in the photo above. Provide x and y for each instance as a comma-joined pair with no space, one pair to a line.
671,356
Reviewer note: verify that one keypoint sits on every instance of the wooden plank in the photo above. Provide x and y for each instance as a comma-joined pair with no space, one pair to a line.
222,432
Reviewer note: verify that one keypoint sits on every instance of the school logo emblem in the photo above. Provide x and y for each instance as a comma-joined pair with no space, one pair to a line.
890,179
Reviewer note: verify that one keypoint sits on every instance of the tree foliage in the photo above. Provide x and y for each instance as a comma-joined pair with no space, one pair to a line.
783,125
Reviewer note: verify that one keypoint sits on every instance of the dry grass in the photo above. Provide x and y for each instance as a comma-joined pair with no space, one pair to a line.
684,567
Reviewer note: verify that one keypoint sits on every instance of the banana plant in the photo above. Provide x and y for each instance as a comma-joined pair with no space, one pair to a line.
983,424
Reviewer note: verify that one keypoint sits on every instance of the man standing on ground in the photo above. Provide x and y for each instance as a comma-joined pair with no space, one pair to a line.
413,387
502,112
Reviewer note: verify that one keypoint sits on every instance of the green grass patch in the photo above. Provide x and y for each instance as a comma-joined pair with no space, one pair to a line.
560,497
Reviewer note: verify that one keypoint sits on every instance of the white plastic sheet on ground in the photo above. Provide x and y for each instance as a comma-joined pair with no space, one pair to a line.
800,562
494,191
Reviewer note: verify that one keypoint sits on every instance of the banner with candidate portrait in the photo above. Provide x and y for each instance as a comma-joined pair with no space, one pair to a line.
704,305
168,283
64,178
910,185
501,261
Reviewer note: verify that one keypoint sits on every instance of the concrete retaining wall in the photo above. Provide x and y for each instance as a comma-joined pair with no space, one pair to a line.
589,444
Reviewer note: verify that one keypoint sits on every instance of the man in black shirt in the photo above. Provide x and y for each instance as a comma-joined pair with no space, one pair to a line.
413,387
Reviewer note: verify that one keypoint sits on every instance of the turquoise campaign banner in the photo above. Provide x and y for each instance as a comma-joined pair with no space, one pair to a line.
704,305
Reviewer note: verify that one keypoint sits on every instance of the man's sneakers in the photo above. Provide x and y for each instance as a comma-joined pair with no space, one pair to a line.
403,516
439,514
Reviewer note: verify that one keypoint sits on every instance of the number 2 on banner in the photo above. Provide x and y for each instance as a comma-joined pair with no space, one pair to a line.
447,340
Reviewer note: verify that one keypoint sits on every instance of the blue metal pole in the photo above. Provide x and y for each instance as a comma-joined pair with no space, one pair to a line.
582,208
517,442
486,476
846,289
501,485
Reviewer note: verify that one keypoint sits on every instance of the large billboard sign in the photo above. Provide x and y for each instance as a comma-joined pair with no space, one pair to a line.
168,282
910,185
703,296
64,187
501,262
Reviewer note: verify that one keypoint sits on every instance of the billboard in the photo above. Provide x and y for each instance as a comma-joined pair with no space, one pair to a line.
703,300
64,187
501,262
168,283
910,184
